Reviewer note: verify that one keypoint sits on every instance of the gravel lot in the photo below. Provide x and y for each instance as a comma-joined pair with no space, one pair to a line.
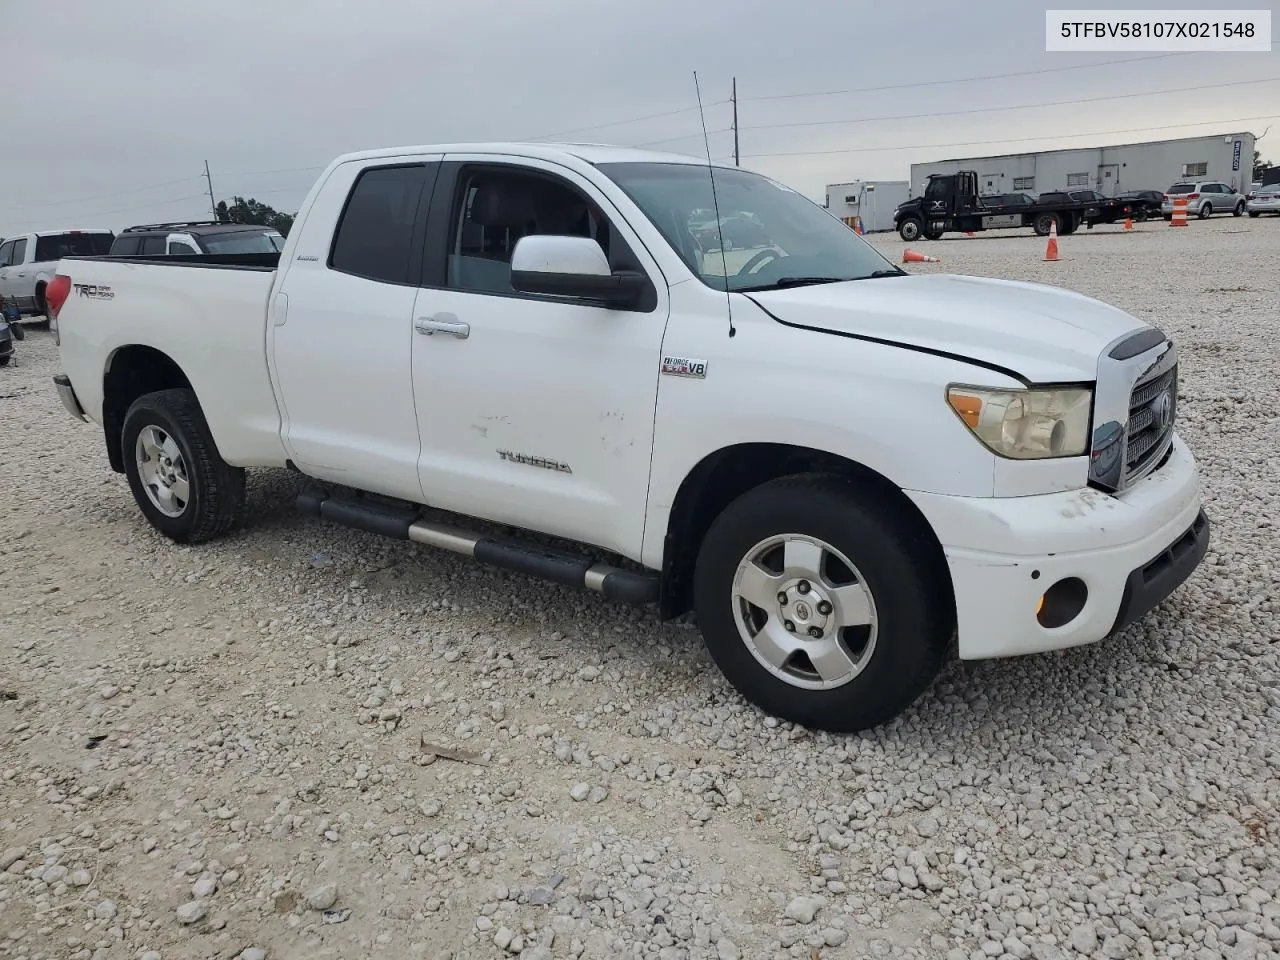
217,752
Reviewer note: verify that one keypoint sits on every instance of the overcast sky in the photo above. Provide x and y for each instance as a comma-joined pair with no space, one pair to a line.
113,106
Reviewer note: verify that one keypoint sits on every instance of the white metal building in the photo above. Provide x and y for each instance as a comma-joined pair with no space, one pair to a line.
1109,170
873,201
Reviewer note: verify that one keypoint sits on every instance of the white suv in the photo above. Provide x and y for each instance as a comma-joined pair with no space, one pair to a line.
1204,199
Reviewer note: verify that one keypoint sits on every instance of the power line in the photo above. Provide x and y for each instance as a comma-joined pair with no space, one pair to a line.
969,143
934,83
683,136
104,196
620,123
1024,106
84,217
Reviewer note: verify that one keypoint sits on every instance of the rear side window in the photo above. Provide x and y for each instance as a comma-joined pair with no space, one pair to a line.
61,245
374,238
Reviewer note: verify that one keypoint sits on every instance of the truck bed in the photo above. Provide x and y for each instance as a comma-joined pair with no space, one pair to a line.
207,313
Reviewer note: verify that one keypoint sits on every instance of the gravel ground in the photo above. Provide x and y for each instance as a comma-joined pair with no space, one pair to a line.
218,752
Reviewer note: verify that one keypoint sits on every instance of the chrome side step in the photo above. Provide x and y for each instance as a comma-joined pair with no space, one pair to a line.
403,523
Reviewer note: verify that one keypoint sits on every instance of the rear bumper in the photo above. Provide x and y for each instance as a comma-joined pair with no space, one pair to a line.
1129,552
67,394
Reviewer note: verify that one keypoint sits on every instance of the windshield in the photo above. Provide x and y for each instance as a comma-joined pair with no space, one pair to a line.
269,241
61,245
772,235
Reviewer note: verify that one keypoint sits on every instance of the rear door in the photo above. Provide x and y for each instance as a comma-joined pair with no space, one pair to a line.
16,279
341,327
535,411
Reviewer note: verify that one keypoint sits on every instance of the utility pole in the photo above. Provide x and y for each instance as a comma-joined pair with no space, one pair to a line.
734,98
213,206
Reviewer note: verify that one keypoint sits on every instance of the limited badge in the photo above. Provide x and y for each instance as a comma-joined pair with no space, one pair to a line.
684,367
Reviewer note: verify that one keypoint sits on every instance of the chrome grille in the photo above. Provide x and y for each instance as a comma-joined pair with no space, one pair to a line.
1152,409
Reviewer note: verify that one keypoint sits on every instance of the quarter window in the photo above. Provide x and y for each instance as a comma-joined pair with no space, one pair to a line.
374,238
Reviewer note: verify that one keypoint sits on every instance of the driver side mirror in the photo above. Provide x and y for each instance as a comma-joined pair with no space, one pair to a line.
576,267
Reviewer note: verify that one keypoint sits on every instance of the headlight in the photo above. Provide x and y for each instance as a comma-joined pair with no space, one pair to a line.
1026,424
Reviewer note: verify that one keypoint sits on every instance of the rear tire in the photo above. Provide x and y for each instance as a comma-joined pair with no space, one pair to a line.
1254,214
42,309
180,482
1206,211
1044,222
880,576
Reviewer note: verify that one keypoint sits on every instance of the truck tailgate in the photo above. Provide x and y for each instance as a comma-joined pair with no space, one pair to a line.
209,320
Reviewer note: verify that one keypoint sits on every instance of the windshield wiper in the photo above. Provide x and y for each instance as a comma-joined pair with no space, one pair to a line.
785,282
877,274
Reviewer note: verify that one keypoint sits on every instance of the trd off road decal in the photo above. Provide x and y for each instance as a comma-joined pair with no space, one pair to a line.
93,291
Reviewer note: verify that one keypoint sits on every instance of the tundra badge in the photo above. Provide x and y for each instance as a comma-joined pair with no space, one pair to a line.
684,367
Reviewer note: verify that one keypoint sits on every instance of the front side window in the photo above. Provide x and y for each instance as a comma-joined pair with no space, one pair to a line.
496,207
768,235
152,247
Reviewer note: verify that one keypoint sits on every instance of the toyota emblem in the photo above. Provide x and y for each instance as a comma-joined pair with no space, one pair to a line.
1163,409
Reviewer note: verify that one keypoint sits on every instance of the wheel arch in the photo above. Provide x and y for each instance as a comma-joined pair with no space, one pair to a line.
132,371
728,473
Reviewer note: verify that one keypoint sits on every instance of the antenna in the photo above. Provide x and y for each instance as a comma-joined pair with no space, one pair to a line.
715,204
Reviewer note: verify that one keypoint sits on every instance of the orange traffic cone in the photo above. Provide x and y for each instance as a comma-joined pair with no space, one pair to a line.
1051,251
911,256
968,233
1179,218
1128,219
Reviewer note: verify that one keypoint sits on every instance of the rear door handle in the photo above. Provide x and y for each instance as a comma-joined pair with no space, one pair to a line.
443,323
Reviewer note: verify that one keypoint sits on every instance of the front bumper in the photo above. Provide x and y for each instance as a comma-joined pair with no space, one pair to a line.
1130,552
67,394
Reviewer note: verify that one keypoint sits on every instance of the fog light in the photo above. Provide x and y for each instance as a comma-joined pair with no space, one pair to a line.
1062,603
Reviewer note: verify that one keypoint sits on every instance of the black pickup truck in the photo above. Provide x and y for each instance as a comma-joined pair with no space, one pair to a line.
951,203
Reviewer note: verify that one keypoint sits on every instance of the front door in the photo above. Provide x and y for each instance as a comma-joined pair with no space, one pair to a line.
342,328
534,411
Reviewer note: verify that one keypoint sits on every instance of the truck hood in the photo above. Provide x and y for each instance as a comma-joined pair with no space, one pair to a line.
1043,333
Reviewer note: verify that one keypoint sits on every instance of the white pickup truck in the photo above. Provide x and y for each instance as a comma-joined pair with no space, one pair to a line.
848,472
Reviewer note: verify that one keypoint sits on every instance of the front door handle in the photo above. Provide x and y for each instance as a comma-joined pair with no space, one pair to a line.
443,323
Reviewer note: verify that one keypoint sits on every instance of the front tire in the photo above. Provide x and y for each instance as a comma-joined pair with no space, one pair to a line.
180,482
1254,213
910,229
1239,210
822,603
